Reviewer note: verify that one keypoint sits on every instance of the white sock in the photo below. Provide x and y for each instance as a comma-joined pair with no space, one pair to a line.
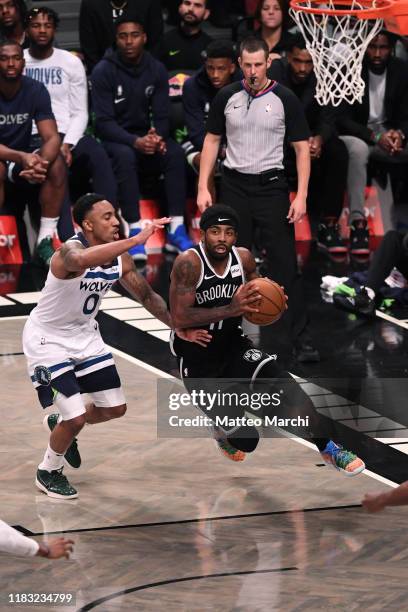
175,223
48,227
52,460
135,225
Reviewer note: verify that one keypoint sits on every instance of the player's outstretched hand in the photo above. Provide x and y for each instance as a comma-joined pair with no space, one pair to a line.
60,547
245,299
199,336
156,224
374,502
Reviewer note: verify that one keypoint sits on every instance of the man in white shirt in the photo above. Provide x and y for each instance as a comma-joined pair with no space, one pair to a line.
64,76
15,543
375,130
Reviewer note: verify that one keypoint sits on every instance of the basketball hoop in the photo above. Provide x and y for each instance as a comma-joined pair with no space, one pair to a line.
337,35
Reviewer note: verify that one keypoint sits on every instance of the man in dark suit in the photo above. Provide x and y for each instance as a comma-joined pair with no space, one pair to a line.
376,129
328,153
97,24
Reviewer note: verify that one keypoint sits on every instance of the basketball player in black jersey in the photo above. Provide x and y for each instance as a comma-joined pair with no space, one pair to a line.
209,289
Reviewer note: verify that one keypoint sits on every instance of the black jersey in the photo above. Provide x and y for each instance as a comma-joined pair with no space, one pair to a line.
214,290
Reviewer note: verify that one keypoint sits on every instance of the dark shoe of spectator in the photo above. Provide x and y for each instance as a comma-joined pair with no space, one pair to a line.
43,252
359,244
179,241
138,252
360,303
329,239
305,352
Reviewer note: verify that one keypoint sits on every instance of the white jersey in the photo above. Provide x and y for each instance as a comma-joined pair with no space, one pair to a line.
66,305
64,76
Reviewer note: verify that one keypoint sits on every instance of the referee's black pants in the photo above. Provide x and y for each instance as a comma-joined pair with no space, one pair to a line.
263,201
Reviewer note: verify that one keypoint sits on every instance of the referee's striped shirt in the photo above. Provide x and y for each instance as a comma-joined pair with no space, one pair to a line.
256,127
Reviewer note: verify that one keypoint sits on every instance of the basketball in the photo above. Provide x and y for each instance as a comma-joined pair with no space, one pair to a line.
271,306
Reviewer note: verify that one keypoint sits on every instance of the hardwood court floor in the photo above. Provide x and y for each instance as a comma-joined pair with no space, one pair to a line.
170,524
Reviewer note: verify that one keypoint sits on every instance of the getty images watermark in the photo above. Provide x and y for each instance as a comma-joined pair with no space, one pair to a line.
221,403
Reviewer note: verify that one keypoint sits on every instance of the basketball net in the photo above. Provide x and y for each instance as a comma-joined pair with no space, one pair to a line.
337,44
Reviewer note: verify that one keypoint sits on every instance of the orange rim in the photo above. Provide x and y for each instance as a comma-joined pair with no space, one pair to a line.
367,11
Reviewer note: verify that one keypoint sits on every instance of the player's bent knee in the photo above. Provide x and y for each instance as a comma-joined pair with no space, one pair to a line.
76,424
118,411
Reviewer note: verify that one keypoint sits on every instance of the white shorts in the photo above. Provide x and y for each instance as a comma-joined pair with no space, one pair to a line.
69,363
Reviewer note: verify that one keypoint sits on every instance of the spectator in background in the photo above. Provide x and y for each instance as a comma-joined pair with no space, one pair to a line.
97,24
219,70
12,16
131,101
329,155
182,47
22,101
64,76
15,543
376,129
273,17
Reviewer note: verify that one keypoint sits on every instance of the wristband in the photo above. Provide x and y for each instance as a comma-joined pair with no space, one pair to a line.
377,137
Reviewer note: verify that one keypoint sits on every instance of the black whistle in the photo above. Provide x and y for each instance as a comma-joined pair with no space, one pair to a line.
252,80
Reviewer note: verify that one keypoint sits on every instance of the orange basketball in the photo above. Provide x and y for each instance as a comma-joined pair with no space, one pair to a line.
271,306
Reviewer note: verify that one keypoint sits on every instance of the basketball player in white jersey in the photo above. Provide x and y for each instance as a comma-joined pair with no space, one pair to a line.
65,353
209,289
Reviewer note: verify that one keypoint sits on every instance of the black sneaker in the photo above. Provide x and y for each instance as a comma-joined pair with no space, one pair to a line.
359,238
55,484
360,303
329,239
72,456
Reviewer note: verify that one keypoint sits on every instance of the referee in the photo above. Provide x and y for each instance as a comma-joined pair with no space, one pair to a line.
258,117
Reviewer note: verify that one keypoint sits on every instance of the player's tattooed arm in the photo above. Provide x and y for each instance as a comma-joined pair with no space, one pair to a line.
184,278
248,263
66,262
140,289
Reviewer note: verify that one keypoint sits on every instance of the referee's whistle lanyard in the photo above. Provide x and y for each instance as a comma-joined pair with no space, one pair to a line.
252,93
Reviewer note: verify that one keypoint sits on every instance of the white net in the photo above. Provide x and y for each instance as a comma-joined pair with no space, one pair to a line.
337,44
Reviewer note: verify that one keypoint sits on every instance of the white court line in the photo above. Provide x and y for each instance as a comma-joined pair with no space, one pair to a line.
391,319
162,374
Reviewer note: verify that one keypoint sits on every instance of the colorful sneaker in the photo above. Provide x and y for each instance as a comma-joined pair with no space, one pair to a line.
227,449
72,456
343,460
43,252
179,241
329,239
359,244
138,252
55,484
358,302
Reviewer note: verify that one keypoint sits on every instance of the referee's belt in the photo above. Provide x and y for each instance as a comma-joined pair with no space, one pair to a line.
262,178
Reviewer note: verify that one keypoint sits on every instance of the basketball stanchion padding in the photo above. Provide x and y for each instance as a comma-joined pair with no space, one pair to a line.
272,304
10,250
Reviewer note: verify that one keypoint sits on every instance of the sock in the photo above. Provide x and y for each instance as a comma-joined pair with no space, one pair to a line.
175,223
52,460
48,227
134,225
